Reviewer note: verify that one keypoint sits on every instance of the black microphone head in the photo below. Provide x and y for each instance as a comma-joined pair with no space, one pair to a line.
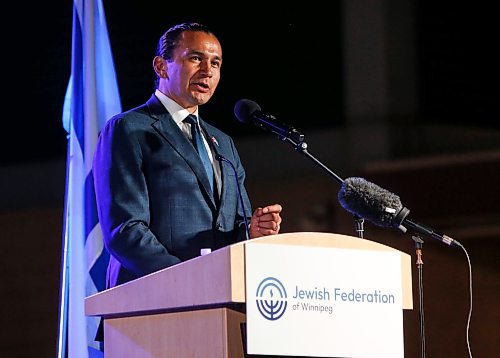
371,202
244,109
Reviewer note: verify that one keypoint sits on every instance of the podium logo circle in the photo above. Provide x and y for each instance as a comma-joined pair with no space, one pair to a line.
271,298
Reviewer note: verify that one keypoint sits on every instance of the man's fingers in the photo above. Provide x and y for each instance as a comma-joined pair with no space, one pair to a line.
270,217
267,220
275,208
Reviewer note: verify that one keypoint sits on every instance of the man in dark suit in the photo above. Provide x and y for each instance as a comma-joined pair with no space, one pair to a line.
162,194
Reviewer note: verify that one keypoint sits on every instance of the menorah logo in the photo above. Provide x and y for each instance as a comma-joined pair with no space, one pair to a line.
271,298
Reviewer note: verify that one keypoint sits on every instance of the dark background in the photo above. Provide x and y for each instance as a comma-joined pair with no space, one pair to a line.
274,57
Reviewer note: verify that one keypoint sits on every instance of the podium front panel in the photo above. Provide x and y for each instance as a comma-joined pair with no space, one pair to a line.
323,302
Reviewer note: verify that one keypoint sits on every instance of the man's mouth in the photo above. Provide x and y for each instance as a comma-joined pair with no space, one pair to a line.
202,87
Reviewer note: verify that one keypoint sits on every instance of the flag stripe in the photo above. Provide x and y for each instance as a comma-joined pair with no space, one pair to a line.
76,92
91,99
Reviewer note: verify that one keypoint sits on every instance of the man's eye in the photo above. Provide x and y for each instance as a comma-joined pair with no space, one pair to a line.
216,64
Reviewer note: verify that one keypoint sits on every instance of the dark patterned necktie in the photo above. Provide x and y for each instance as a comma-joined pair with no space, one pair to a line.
200,148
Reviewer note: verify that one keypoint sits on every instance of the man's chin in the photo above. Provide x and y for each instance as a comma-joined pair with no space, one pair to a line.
201,98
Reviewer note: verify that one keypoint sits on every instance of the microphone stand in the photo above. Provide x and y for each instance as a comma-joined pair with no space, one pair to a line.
301,147
418,249
358,222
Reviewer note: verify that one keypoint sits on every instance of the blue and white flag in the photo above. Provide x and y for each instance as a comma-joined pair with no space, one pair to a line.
91,99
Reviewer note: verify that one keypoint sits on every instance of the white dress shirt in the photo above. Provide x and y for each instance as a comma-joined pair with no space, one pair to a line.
178,115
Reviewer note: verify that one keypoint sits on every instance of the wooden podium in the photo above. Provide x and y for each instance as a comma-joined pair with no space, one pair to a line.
195,308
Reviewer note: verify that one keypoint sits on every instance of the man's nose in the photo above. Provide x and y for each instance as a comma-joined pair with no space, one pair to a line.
206,68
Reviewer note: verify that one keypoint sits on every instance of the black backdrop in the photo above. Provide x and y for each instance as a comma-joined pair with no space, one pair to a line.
277,57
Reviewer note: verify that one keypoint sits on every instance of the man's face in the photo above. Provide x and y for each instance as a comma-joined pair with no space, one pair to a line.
194,72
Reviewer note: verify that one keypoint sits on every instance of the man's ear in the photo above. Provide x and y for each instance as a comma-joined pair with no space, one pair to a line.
160,66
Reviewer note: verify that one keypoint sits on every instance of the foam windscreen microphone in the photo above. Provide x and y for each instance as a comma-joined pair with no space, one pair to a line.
382,208
371,202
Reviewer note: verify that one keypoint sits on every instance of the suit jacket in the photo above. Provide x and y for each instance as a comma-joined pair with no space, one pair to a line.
153,195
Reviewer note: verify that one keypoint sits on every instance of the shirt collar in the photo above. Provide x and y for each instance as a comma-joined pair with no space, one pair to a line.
177,112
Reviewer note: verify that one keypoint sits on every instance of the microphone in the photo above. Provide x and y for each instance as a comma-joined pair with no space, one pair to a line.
247,111
382,208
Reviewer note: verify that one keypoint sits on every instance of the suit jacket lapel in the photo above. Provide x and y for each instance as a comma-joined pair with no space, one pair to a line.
171,132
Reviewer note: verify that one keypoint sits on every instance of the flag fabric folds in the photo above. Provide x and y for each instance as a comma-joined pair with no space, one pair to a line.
91,99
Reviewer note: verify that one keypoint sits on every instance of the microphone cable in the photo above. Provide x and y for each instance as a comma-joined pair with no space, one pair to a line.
383,208
467,329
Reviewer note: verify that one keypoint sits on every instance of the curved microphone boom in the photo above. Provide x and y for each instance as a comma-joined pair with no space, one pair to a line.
382,208
213,143
247,111
221,159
